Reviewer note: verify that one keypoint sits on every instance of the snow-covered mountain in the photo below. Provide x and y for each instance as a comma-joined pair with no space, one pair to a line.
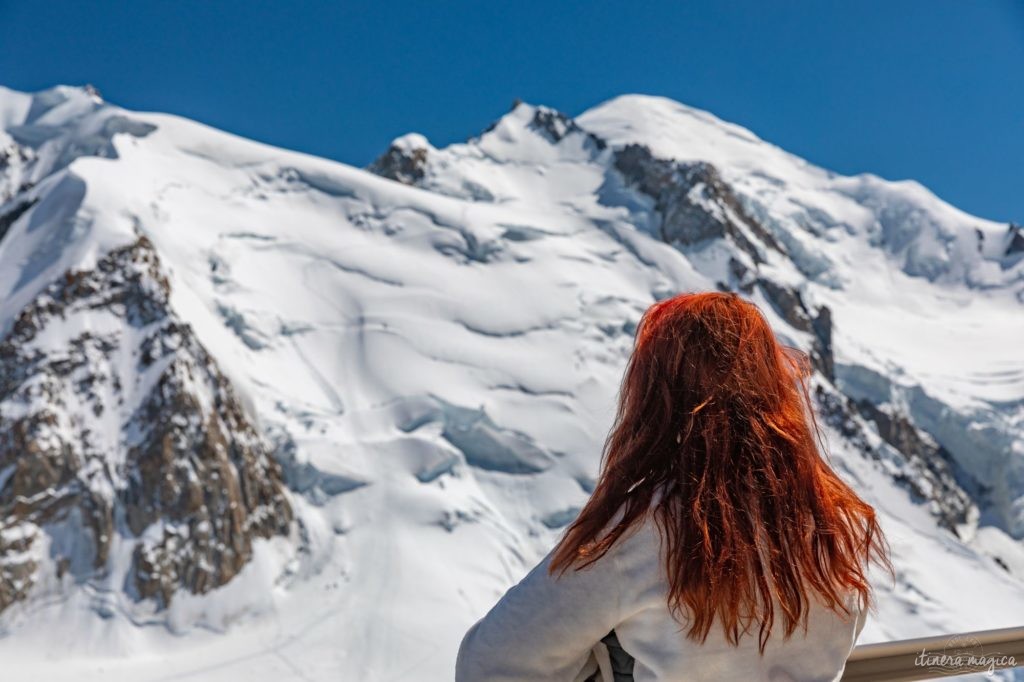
271,416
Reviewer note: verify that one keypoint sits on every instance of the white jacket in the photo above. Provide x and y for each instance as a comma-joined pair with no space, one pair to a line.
548,629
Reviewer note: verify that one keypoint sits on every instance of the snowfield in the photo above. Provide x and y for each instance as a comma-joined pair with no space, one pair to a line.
431,352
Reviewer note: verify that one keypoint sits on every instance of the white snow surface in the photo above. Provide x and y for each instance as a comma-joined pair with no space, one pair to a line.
439,366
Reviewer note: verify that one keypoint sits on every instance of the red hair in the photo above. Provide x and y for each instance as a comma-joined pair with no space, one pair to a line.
715,413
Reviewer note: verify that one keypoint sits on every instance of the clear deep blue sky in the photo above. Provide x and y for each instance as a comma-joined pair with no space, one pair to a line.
924,89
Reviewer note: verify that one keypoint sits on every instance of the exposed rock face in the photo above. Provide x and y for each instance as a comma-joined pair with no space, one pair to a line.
15,166
692,201
199,471
910,456
949,483
791,307
17,566
8,217
695,205
131,434
556,126
1014,240
401,162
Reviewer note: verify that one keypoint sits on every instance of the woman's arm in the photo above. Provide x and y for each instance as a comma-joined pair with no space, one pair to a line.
543,628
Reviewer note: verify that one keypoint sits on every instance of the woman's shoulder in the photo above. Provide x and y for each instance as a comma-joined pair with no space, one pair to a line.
636,554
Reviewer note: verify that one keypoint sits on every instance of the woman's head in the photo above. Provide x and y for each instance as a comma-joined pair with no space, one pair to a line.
715,436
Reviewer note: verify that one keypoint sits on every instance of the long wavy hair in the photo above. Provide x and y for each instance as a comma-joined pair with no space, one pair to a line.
715,437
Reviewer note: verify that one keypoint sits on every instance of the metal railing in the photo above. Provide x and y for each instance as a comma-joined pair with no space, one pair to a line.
928,658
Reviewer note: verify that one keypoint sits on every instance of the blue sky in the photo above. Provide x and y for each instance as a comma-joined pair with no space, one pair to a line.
926,89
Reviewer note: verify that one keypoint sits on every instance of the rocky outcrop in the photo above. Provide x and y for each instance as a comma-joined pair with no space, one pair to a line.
1014,240
556,126
8,217
907,454
790,305
17,566
130,431
15,167
922,451
402,162
199,471
692,201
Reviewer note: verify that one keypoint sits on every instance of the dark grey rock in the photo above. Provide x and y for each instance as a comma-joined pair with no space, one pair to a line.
789,304
693,202
193,465
407,166
915,461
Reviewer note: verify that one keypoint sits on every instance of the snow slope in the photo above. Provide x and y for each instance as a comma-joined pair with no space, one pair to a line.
432,350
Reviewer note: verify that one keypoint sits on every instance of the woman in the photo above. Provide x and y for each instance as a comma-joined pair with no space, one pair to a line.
718,543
